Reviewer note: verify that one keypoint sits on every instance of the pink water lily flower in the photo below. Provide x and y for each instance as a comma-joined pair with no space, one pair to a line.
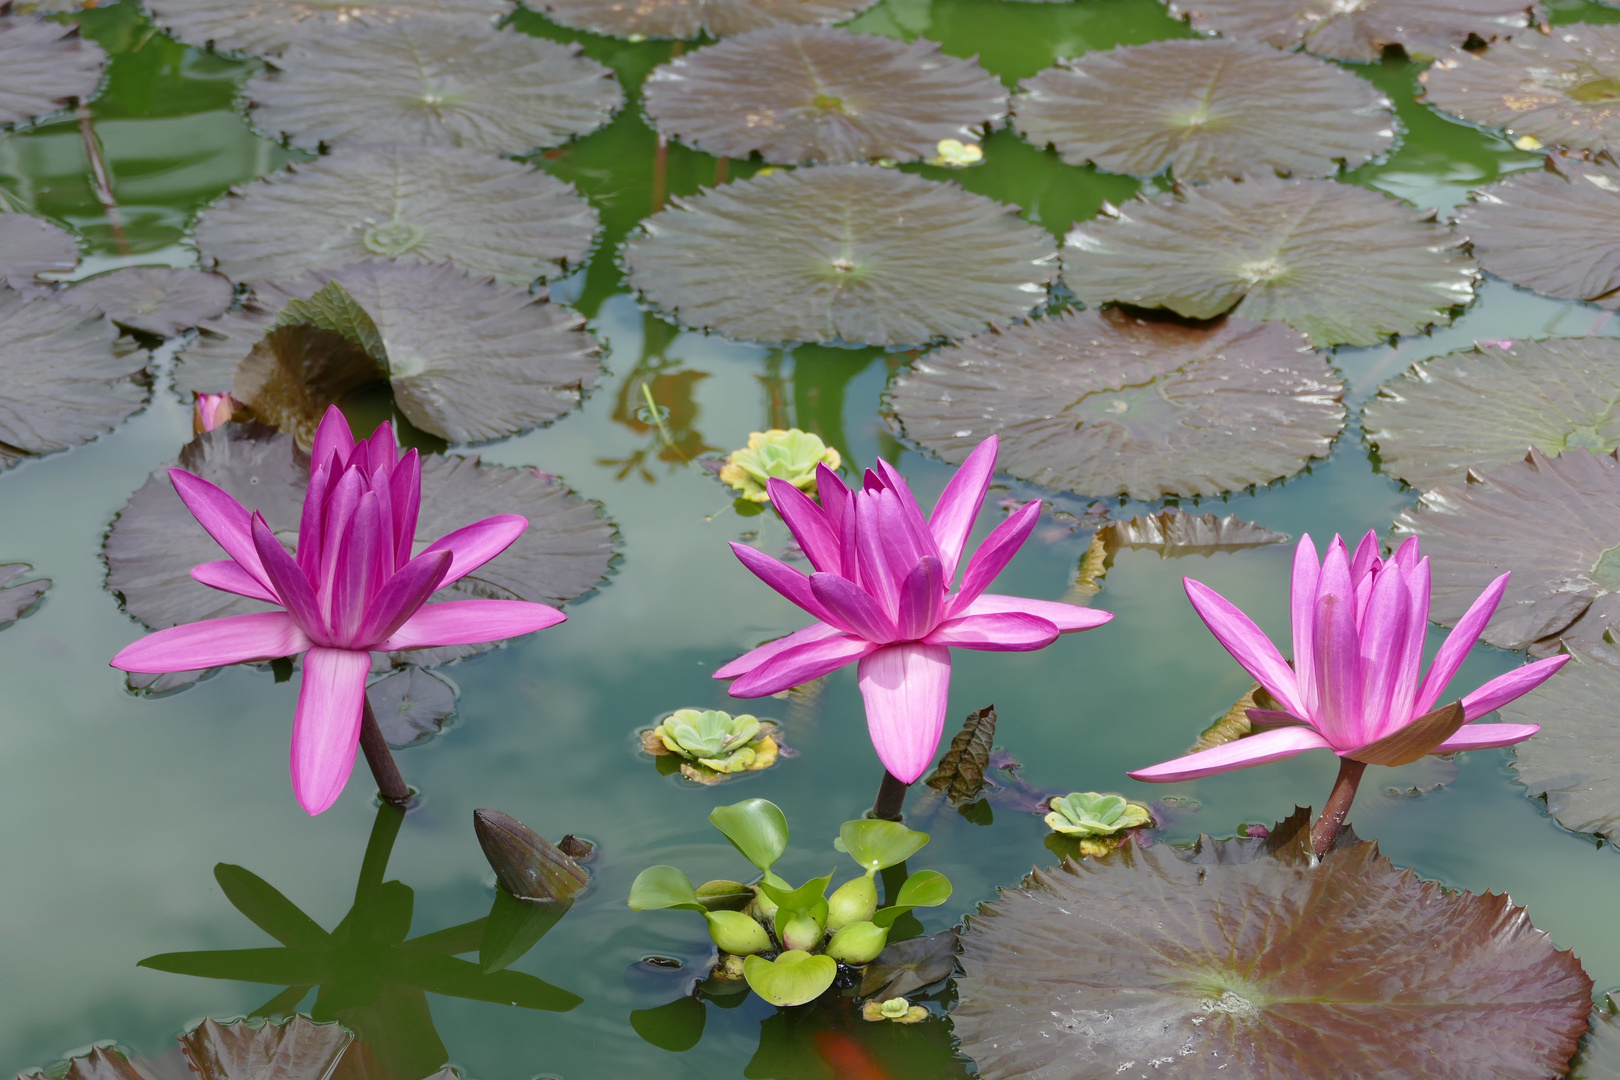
882,592
352,588
1356,685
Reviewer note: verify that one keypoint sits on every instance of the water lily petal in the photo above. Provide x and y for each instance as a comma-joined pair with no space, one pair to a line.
405,491
222,517
1068,618
311,520
1505,688
474,545
1487,737
754,657
332,437
342,500
292,587
922,600
835,496
227,575
470,622
1384,633
904,533
1454,650
1257,749
799,664
403,594
1245,641
326,730
906,689
1007,631
235,639
1366,558
1337,653
808,523
879,577
1302,614
1409,679
958,506
996,552
849,606
356,575
792,584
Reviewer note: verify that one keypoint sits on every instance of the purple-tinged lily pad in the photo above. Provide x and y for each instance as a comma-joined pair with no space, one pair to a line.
411,704
1346,265
158,300
44,66
429,82
907,966
265,27
849,254
803,93
1486,406
689,18
412,204
1553,522
20,599
1362,29
1104,403
298,1049
1205,109
1230,961
30,246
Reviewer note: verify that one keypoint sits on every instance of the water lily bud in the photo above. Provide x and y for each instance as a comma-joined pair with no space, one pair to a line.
526,864
801,932
854,901
737,934
858,943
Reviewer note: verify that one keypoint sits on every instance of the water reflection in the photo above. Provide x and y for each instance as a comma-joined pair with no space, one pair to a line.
366,973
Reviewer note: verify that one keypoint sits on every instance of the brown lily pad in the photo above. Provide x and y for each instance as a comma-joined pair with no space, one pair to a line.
804,93
421,204
1346,265
1104,403
1486,406
296,1050
44,66
30,246
1554,522
960,773
265,27
1363,29
1205,109
689,18
158,300
436,83
20,599
907,966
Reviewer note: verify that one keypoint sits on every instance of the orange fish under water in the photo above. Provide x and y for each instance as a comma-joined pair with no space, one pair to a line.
846,1057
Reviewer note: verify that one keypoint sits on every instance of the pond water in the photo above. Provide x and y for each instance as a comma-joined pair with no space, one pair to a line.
119,806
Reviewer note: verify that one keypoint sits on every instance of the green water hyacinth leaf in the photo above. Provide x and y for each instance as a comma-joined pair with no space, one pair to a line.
855,900
156,300
925,888
793,978
790,455
806,898
690,18
30,246
659,887
719,895
1361,30
44,66
1086,813
1346,265
877,845
755,827
265,27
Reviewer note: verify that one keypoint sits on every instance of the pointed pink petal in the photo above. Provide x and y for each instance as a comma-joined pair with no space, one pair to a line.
1251,648
1487,737
1407,555
1302,614
1366,558
904,534
1384,636
996,552
356,575
1068,618
293,590
799,664
235,639
1454,650
1258,749
332,437
470,622
792,584
1505,688
227,575
847,605
1409,678
312,519
326,730
906,689
877,576
751,659
403,595
337,518
834,497
382,448
1337,651
958,506
221,516
405,491
808,523
922,600
474,545
1008,631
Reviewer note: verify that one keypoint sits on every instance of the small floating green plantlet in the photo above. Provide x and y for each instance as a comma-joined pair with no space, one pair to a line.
956,154
1097,821
709,745
790,455
896,1010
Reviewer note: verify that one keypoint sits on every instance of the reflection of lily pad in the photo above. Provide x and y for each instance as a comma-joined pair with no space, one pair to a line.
19,599
425,81
689,18
1486,406
1224,961
842,253
410,703
1102,403
799,93
1560,88
1574,760
44,66
1205,109
1346,265
1555,230
1174,534
1360,30
156,299
1554,522
425,204
30,246
268,26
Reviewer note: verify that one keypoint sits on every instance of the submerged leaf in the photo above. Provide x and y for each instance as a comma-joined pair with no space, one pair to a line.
796,94
297,1049
1225,962
1103,403
409,704
960,774
30,246
44,66
1361,29
158,300
527,865
689,18
1599,1058
907,966
269,26
1574,760
429,82
413,204
851,254
1346,265
1233,724
1204,109
20,599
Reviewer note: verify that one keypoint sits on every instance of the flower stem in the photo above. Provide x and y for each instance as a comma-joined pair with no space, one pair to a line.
1326,829
390,784
890,797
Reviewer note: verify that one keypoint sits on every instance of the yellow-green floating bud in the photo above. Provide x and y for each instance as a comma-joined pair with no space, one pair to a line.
854,901
801,932
736,933
858,943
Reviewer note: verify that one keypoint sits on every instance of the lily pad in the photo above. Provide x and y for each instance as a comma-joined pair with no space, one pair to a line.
265,27
907,966
429,82
1486,406
296,1050
44,66
846,254
425,204
689,18
1205,109
68,378
1560,88
802,93
960,773
1556,231
1554,522
158,300
19,599
1599,1058
30,246
1104,402
1361,30
1226,961
1347,265
410,703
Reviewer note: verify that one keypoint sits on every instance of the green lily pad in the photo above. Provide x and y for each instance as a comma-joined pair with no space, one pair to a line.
960,773
689,18
20,599
44,66
755,827
30,246
1599,1058
1553,230
422,204
1484,406
793,978
527,865
410,704
429,82
908,966
1105,402
1553,522
1226,961
846,254
265,27
1363,29
803,93
157,300
1204,109
1347,265
877,844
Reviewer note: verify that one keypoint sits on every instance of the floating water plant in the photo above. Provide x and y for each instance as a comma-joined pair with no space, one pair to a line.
790,455
156,300
1098,822
1362,29
19,598
44,66
690,18
31,246
710,745
269,26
